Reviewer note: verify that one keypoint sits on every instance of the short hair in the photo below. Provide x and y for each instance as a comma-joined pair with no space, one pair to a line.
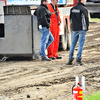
42,1
79,0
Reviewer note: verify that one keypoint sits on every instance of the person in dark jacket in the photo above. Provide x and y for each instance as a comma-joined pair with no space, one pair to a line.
80,23
43,18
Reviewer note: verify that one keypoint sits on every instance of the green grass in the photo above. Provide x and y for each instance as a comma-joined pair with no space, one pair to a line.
95,96
95,19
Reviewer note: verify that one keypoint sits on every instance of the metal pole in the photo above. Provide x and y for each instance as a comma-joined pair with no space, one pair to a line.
83,83
77,79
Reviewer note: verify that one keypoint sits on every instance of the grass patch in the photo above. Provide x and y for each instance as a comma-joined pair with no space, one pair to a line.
95,96
95,19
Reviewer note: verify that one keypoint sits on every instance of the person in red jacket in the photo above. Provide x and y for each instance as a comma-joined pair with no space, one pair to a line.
54,28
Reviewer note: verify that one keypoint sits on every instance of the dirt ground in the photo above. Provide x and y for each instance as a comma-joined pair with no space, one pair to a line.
36,80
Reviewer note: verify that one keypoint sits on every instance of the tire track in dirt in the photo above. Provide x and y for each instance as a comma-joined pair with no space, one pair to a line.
58,79
52,80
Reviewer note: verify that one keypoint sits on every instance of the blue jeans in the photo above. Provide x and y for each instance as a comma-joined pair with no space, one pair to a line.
81,35
46,40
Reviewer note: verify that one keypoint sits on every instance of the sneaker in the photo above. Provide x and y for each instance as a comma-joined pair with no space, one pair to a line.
59,57
45,59
52,58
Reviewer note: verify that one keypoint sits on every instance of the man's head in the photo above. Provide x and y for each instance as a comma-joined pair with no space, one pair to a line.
82,1
54,2
45,2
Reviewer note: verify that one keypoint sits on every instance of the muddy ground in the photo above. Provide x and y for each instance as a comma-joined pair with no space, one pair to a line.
36,80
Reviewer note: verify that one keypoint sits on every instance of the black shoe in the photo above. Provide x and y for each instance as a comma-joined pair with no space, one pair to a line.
69,62
78,62
52,58
59,57
45,59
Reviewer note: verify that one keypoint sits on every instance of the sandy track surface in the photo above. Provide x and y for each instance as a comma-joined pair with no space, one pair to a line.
36,80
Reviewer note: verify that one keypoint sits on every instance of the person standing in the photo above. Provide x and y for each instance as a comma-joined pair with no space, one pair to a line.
80,23
43,17
54,28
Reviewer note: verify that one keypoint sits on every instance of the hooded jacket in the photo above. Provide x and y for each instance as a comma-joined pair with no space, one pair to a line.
43,15
79,17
